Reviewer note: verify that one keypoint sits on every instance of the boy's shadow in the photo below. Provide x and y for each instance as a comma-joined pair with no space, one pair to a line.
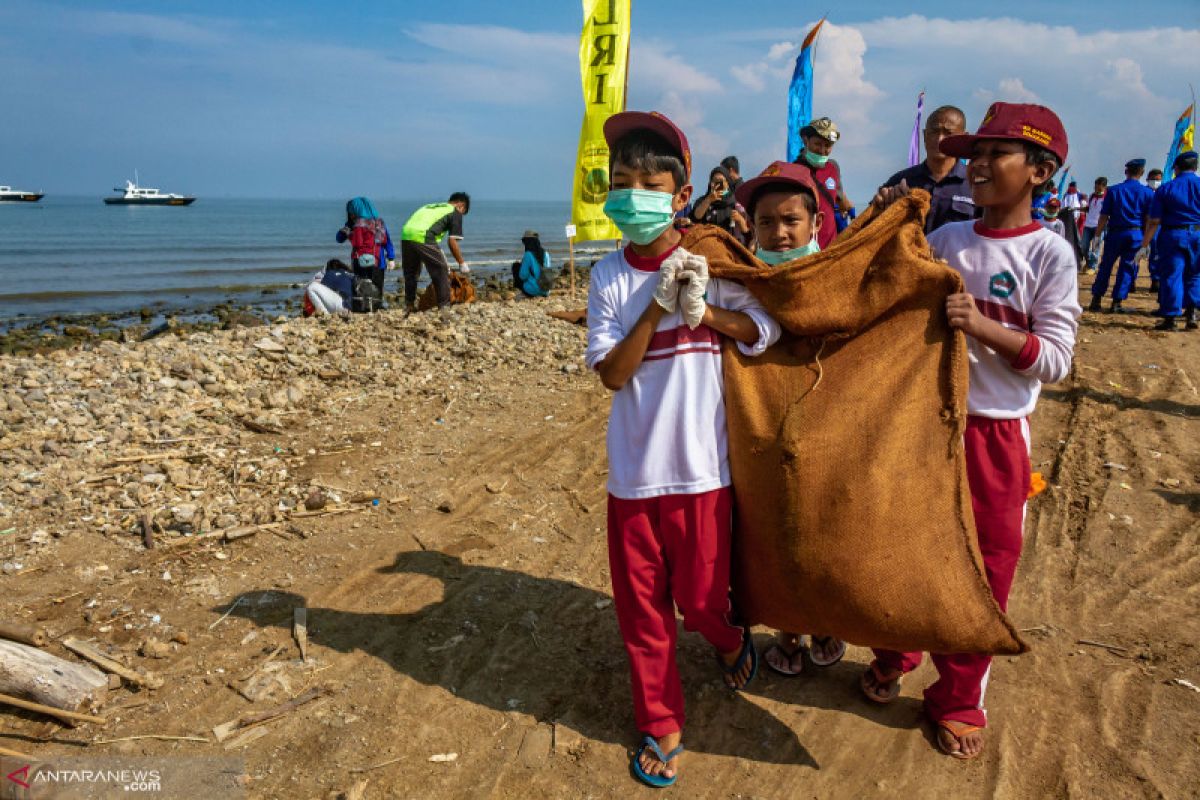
547,648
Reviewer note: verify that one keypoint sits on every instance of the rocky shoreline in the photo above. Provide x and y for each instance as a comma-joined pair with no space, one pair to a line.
23,335
163,438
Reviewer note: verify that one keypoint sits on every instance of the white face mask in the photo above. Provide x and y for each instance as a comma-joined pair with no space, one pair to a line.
1154,184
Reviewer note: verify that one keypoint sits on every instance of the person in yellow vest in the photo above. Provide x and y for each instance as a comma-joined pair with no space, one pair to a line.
419,245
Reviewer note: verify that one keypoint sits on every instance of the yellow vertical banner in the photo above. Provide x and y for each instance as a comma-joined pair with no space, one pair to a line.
603,64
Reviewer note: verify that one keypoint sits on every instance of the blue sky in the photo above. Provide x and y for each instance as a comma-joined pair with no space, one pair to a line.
414,100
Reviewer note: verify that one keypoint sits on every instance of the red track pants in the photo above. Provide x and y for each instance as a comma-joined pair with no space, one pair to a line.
997,453
665,552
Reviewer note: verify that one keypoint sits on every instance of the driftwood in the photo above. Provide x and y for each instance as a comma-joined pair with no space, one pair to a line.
227,729
51,710
24,634
48,680
4,751
149,680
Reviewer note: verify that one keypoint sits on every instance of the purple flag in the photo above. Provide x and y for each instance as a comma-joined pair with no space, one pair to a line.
914,144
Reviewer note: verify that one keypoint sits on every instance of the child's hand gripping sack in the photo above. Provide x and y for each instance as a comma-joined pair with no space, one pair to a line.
693,279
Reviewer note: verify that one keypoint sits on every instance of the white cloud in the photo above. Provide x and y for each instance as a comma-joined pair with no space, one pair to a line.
494,42
781,50
841,89
708,147
652,67
752,76
170,30
1009,90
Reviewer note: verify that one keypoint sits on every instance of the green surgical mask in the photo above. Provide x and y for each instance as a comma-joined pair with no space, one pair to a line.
640,214
775,257
814,159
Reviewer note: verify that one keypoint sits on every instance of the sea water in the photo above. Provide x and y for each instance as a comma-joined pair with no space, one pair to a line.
74,255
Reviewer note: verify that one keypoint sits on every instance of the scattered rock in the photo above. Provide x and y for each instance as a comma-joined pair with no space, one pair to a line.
153,648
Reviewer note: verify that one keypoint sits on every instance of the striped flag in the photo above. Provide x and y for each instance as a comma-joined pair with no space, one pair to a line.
914,144
1181,141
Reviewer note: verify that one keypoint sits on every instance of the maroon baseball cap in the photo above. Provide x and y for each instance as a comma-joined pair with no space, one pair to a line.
1022,122
778,173
618,125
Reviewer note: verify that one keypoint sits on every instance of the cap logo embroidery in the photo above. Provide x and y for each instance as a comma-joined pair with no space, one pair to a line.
1036,134
771,171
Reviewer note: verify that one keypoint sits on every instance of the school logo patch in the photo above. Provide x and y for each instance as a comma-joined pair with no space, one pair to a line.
830,184
1002,284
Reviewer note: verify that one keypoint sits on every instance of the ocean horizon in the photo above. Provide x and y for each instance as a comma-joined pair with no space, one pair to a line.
74,255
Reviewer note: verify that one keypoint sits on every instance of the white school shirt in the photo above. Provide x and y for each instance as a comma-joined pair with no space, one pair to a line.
1093,216
666,430
1025,279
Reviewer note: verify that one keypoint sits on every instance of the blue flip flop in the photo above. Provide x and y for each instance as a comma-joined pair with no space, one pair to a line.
657,781
748,652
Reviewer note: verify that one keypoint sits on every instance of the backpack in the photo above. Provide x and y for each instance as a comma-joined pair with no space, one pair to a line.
363,246
366,297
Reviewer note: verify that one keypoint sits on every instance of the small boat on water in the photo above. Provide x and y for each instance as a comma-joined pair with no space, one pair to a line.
134,195
11,195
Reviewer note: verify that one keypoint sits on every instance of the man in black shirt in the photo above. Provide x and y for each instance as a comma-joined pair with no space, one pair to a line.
943,176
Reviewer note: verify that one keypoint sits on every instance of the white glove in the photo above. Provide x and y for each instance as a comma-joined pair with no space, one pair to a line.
464,267
391,263
666,293
694,268
1142,253
693,280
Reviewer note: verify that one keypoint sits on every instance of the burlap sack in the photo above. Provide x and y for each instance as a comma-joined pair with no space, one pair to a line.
845,441
461,291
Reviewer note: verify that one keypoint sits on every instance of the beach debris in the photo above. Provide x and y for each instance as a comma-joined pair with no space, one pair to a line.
300,631
1115,465
24,634
315,500
47,680
443,758
1170,483
227,729
70,716
453,641
92,654
1185,683
153,648
1110,647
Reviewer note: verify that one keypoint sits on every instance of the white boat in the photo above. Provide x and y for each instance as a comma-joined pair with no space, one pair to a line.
11,195
134,195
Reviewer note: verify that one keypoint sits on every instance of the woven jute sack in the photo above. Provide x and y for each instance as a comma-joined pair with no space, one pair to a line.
853,516
461,291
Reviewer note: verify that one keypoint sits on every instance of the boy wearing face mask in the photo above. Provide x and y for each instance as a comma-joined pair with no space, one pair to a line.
819,137
655,323
785,217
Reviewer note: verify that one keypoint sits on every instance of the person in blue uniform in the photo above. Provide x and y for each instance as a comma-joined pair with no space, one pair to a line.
1176,208
1154,179
1124,215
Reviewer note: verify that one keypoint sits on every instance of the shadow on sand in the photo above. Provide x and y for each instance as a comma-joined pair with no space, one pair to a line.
550,648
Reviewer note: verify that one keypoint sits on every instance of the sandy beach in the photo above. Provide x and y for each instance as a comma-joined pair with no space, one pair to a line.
452,562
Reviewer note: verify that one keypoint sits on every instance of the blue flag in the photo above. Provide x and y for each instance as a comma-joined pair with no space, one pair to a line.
800,94
1181,125
1062,179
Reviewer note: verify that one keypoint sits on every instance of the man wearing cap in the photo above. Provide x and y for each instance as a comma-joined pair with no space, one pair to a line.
819,136
1091,242
1176,208
1125,206
943,176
